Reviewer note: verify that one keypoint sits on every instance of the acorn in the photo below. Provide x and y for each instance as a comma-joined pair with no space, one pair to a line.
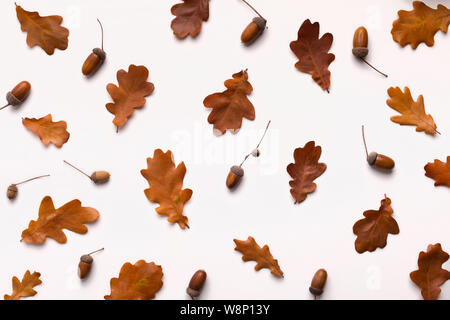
95,60
98,177
196,284
255,29
17,96
85,264
318,282
377,160
12,190
360,47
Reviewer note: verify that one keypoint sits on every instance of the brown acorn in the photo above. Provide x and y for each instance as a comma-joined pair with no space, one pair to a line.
237,172
255,29
196,284
377,160
360,47
94,61
17,96
12,190
98,177
318,282
85,264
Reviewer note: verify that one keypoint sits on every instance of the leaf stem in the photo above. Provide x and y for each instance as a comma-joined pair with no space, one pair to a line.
96,251
46,175
101,27
248,4
7,105
259,143
77,169
374,68
364,140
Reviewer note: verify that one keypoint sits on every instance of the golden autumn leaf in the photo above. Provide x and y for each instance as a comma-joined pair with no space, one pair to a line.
412,112
253,252
51,222
130,94
166,183
189,17
25,287
420,24
47,130
232,105
45,32
439,171
140,281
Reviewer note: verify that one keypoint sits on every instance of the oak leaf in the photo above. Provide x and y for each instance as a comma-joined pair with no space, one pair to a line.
305,170
253,252
25,287
373,230
189,17
439,171
412,112
420,24
130,94
45,32
51,222
140,281
165,186
47,130
312,53
230,106
430,275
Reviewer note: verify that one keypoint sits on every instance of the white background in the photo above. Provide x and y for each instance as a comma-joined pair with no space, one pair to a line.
305,237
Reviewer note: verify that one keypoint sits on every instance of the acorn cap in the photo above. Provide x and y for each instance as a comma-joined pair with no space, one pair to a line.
372,158
12,100
314,291
260,22
237,170
360,52
86,259
193,293
100,53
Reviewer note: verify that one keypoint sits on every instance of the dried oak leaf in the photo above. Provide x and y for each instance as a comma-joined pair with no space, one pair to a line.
189,17
24,288
230,106
312,53
420,24
430,275
305,170
51,222
45,32
373,230
413,112
253,252
166,183
47,130
130,94
140,281
439,171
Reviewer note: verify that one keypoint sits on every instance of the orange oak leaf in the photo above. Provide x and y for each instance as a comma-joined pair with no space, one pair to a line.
189,17
140,281
47,130
45,32
305,170
253,252
230,106
166,183
430,275
51,222
412,112
24,288
130,94
439,171
312,53
373,230
420,24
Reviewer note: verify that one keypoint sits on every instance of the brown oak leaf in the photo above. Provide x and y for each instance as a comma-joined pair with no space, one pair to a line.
230,106
140,281
24,288
51,222
420,24
47,130
166,183
130,94
431,275
412,112
312,53
373,230
189,17
253,252
305,170
439,171
45,32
